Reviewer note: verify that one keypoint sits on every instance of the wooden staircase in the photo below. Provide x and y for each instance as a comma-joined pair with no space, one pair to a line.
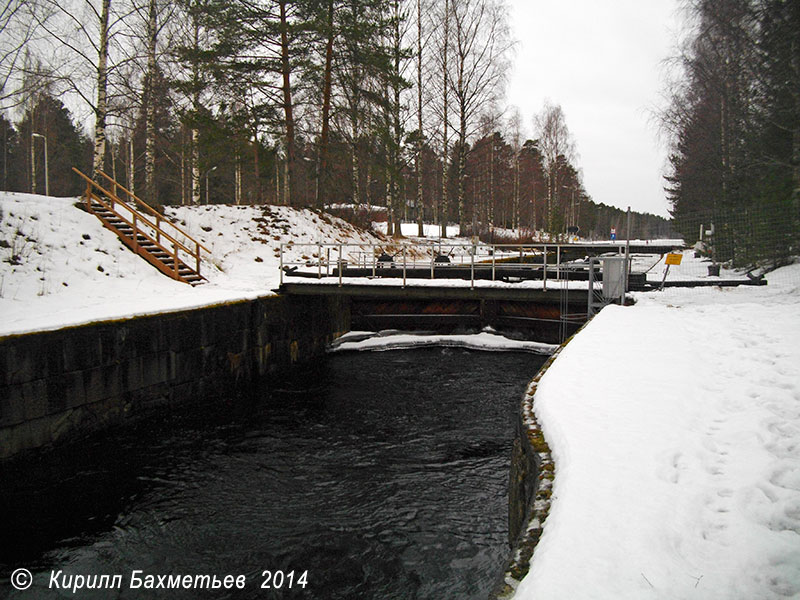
144,230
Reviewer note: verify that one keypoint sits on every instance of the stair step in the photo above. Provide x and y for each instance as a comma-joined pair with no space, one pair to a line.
138,238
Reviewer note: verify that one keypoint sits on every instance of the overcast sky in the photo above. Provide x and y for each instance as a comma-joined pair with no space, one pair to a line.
601,61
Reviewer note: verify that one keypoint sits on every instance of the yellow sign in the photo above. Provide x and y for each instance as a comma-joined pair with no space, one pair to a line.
674,259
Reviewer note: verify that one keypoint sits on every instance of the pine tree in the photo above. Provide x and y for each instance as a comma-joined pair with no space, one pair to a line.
10,170
66,145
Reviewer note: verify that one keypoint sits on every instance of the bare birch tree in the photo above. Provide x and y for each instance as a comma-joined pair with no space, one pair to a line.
481,47
515,137
558,149
79,34
420,135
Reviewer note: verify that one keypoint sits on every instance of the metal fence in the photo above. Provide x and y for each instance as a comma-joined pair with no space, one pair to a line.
552,264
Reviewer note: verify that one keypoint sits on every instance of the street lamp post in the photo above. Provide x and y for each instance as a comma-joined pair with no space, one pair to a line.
33,166
207,174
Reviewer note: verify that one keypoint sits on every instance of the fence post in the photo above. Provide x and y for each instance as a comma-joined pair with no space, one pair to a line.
544,270
472,266
404,265
281,264
341,265
558,262
319,260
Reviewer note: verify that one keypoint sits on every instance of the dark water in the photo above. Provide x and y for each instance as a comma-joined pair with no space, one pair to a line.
383,475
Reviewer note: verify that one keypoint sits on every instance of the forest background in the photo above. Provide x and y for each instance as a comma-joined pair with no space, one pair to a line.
383,103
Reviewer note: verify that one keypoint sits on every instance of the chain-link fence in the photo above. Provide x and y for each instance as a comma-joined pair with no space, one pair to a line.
746,238
726,249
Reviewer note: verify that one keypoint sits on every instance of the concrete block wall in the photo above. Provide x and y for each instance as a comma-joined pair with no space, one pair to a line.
60,384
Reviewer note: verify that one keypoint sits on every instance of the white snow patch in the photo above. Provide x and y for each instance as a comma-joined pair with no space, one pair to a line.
484,340
678,453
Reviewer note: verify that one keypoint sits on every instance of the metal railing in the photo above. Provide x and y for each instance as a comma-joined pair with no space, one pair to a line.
424,260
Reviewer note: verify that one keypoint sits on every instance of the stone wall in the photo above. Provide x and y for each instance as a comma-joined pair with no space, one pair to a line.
60,384
530,488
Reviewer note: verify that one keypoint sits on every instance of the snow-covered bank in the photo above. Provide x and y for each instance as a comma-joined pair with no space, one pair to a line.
485,340
678,454
59,266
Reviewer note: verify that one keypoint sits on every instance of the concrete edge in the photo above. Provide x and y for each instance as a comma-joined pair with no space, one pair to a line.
177,312
540,476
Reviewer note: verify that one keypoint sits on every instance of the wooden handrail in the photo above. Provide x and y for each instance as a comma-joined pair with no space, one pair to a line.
163,267
151,210
145,219
195,253
136,229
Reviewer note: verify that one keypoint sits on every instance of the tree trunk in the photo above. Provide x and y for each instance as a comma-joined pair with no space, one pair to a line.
418,157
33,161
257,169
289,191
490,205
277,180
101,109
132,167
150,144
195,166
356,175
462,169
515,209
323,177
237,191
445,160
397,197
287,188
195,175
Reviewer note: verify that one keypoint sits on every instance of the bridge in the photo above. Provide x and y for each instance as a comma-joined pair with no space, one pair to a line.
537,291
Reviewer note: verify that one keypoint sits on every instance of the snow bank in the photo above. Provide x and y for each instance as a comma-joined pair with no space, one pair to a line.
59,266
678,454
485,340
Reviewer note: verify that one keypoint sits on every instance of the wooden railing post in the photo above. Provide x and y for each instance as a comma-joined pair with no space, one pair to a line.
197,257
175,259
135,233
89,197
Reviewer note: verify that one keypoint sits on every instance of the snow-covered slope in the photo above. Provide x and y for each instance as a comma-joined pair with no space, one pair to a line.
59,266
245,241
